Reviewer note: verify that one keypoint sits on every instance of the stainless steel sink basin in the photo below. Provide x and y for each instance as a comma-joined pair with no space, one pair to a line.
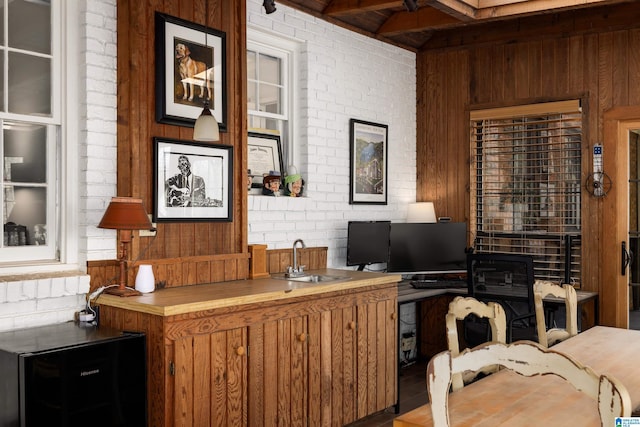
312,278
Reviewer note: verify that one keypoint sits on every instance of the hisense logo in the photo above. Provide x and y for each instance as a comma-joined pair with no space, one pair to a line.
87,373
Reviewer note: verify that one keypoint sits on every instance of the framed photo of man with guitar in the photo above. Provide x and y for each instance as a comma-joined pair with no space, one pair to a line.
192,181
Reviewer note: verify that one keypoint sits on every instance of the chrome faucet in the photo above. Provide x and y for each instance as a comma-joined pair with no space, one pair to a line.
296,270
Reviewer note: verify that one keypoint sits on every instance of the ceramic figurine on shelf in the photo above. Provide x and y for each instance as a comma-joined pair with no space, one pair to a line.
293,183
271,184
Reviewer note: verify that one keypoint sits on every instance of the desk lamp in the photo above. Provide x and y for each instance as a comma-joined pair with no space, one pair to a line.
421,212
124,214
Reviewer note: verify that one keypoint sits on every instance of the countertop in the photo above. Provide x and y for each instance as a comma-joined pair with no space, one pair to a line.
189,299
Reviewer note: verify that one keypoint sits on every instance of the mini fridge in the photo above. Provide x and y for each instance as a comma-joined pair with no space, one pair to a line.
72,375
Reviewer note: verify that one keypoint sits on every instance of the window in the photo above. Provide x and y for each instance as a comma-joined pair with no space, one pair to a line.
526,185
271,87
31,126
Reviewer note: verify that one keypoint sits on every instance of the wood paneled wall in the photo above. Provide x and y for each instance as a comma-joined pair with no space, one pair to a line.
189,251
175,272
587,55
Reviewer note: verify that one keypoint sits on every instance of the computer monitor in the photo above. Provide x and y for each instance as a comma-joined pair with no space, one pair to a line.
367,242
428,248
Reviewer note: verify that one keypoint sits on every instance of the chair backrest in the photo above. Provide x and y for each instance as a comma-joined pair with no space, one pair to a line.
507,278
543,289
526,358
459,309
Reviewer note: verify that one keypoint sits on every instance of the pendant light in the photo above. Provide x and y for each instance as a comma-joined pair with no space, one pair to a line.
206,127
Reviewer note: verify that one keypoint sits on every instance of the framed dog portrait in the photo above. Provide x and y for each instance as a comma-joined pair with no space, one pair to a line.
190,69
192,181
368,158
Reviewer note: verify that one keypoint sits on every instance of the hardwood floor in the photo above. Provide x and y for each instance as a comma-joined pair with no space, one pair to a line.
413,393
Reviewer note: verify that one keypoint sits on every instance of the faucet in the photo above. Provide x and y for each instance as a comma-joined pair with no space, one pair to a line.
296,270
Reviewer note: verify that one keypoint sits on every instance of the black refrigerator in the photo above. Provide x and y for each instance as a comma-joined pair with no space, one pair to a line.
72,375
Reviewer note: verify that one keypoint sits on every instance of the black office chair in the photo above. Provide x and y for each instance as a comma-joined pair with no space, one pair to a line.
508,280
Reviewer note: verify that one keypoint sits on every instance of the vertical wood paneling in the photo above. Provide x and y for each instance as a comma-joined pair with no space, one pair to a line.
315,372
337,368
137,124
362,354
256,385
284,372
325,367
183,382
201,376
349,363
371,360
236,351
516,65
298,385
219,392
271,396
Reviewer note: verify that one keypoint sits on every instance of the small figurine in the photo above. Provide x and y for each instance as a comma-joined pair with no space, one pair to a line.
293,183
271,184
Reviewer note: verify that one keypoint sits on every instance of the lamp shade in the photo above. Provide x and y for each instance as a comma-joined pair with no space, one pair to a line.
125,213
206,127
421,212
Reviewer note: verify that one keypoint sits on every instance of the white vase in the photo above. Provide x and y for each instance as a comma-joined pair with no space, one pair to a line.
145,282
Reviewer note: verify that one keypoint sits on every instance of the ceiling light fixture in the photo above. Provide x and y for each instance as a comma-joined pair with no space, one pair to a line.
411,5
269,6
206,127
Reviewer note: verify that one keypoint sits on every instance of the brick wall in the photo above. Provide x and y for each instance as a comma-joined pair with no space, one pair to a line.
343,75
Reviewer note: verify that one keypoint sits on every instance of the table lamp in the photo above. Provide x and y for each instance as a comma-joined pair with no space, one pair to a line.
124,214
421,212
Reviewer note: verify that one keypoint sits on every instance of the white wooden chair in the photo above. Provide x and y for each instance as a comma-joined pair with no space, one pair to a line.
528,359
543,289
459,309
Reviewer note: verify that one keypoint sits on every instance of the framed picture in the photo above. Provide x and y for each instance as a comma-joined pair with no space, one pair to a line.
368,155
265,155
190,68
192,181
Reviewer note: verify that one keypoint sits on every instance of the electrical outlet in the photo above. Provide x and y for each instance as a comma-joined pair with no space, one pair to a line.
148,233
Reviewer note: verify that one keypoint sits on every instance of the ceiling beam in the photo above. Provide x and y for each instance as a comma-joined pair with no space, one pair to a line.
425,18
352,7
460,9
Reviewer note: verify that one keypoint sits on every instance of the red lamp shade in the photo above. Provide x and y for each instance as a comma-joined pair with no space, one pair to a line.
125,213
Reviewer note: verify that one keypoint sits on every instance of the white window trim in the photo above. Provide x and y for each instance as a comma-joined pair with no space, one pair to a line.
259,39
65,80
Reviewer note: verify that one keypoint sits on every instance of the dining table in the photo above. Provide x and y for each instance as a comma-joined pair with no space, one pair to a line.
507,398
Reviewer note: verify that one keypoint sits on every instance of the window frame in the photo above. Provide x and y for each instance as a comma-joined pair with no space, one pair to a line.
63,193
288,51
541,239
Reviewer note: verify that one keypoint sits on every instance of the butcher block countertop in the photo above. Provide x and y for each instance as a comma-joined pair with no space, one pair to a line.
189,299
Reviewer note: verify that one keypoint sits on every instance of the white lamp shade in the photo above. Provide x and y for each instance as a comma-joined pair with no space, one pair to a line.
206,127
421,212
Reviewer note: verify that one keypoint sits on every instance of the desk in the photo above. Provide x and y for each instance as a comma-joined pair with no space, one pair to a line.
545,400
408,294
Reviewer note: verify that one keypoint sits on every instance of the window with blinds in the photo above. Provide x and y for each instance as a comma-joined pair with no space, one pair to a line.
525,180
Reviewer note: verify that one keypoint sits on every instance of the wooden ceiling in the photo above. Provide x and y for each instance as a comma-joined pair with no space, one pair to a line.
390,20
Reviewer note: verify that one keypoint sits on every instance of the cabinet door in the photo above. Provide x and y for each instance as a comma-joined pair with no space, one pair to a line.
279,373
210,379
376,356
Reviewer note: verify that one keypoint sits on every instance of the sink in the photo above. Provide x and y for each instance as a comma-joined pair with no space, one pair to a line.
313,278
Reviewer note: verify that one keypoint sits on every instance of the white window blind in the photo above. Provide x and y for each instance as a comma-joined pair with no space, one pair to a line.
526,185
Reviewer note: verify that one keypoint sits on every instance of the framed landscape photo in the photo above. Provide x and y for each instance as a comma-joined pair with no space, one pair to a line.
368,161
190,69
192,181
265,155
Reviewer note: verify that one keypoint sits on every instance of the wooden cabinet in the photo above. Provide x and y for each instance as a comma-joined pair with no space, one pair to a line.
323,359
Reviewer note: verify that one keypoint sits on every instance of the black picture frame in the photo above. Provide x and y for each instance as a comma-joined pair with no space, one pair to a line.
205,194
180,82
264,156
368,162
